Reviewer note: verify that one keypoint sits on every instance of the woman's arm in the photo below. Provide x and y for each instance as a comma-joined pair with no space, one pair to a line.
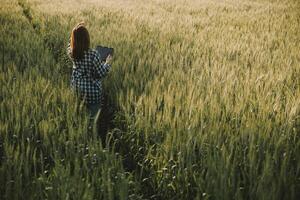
102,69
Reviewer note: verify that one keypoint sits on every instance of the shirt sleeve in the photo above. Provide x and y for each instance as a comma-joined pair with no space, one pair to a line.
101,69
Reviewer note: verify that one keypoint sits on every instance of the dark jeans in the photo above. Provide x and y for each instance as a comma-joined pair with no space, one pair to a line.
94,110
100,118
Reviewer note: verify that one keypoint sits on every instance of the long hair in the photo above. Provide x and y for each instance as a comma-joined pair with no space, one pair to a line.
80,41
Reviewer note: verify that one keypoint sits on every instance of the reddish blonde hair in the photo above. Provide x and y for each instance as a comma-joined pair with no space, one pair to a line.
80,41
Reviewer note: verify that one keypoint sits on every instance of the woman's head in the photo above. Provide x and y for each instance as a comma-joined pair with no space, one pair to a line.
80,41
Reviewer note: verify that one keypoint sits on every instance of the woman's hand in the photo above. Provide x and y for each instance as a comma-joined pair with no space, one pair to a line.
82,23
108,59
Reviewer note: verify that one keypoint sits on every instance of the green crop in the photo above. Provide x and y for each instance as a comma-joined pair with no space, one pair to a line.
205,98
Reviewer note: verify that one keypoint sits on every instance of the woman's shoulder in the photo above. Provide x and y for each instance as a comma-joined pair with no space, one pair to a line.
93,52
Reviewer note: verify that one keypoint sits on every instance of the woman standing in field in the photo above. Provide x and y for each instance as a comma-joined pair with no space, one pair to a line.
88,70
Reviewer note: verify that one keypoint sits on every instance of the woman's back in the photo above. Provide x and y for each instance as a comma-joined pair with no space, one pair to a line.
87,75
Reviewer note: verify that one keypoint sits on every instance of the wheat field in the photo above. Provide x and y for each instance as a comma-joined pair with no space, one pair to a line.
204,96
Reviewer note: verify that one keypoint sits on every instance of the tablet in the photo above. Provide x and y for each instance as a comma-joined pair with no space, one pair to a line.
104,52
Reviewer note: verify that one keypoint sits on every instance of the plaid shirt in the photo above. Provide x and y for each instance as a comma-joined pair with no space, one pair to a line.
87,75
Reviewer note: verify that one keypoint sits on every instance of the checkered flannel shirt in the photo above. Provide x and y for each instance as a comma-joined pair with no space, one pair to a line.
87,75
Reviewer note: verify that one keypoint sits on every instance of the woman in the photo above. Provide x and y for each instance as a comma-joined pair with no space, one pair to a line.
88,70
